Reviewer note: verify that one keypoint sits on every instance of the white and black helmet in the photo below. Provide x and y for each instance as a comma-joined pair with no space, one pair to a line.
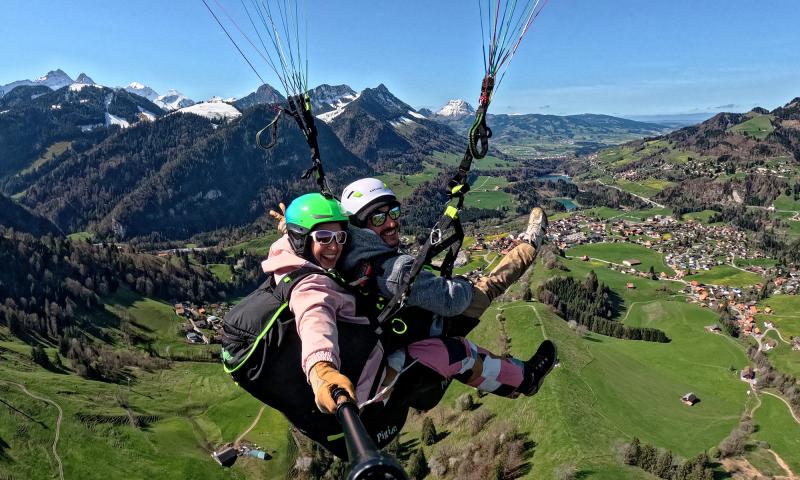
363,196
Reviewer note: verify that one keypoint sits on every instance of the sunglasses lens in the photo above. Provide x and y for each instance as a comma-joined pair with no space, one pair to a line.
394,213
379,219
326,236
323,236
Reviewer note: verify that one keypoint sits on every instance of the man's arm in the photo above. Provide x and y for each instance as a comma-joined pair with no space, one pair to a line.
443,296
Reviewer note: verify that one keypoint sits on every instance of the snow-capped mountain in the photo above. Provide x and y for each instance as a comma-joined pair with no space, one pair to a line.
326,98
173,100
214,110
54,79
379,127
456,108
137,88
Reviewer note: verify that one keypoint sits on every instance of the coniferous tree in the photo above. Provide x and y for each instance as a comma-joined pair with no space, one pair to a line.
428,436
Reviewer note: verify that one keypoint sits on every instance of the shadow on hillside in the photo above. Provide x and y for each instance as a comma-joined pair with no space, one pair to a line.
4,456
719,471
584,474
405,449
524,468
617,303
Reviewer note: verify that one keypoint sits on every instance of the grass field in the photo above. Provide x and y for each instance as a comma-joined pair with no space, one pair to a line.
702,217
726,275
606,390
645,188
486,192
259,246
221,270
786,315
778,428
617,252
486,163
757,127
81,236
403,185
192,407
761,262
52,151
786,203
156,320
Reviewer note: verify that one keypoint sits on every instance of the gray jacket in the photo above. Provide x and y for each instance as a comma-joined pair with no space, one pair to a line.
446,297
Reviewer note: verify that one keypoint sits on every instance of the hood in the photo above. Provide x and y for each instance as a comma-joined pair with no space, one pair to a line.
363,244
282,259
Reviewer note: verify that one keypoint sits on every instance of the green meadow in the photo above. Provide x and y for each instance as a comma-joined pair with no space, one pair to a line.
726,275
404,185
645,188
760,126
221,270
258,246
606,390
702,217
618,252
191,407
785,202
487,192
777,427
487,163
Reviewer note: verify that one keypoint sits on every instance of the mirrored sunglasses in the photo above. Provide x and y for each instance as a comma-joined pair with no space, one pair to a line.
379,218
325,237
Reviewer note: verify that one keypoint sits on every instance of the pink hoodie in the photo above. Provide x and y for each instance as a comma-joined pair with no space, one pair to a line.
318,302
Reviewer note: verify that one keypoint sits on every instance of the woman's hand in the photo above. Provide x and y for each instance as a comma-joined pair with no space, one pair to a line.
280,217
324,377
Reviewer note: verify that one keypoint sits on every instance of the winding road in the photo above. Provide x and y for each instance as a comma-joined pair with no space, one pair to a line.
58,423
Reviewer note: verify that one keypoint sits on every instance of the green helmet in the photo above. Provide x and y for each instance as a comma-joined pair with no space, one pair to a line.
306,212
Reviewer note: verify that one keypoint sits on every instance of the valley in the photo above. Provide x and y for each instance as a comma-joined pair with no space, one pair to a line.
693,232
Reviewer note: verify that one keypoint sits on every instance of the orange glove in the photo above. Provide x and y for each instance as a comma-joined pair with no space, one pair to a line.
323,378
280,217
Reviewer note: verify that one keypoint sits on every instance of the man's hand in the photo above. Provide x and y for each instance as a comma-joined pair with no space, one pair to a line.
323,378
280,217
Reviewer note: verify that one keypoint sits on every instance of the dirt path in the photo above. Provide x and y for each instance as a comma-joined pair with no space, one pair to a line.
58,423
252,426
783,465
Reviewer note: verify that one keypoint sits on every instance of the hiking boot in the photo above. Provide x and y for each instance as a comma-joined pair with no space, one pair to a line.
537,226
538,366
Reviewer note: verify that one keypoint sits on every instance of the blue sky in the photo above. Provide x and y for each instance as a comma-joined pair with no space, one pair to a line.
619,57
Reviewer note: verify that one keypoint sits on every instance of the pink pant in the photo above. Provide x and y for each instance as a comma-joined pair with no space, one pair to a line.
462,360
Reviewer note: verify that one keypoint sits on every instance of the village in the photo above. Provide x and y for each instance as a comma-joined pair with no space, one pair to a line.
688,248
199,318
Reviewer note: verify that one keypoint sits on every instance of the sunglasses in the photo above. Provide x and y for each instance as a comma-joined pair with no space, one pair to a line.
325,237
379,218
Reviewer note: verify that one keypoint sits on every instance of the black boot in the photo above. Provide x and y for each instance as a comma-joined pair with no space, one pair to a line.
537,367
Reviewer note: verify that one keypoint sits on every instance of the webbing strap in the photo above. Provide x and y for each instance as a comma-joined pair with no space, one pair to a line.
434,245
477,148
300,110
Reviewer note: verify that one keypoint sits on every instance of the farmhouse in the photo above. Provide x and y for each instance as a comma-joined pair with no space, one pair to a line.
690,399
631,262
713,328
748,373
